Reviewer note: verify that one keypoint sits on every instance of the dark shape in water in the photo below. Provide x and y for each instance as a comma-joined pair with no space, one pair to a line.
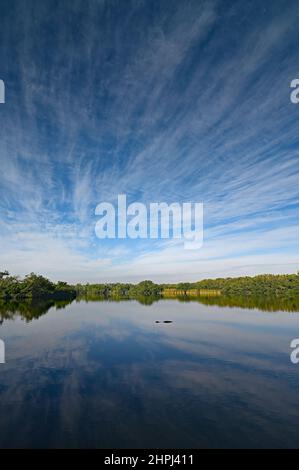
164,321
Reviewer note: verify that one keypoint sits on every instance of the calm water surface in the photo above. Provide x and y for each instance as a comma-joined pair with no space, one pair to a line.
106,374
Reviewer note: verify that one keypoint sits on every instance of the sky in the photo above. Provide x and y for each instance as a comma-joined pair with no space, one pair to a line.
173,101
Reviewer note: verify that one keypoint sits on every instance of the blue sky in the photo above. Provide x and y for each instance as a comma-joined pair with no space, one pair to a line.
162,100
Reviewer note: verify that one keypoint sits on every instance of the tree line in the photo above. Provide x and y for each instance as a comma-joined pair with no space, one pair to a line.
33,286
37,286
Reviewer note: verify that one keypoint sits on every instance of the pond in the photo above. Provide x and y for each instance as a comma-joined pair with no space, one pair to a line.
204,373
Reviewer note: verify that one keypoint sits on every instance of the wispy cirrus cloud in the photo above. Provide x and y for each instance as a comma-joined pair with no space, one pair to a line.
187,101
